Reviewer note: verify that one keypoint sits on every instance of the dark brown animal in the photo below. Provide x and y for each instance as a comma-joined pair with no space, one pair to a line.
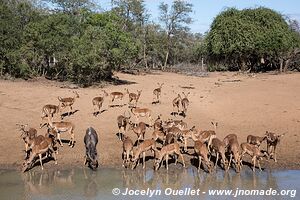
272,141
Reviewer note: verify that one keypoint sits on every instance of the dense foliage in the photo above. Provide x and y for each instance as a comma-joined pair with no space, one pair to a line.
251,39
72,40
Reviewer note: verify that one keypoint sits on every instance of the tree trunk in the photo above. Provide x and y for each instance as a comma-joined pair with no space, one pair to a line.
281,65
168,50
286,65
166,60
145,59
243,66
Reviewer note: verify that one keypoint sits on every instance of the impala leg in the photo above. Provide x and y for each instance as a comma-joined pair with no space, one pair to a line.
70,110
138,161
176,159
85,160
127,159
268,151
167,161
275,158
199,165
230,159
216,160
243,153
55,159
134,164
58,137
124,158
258,163
254,160
144,155
40,156
183,163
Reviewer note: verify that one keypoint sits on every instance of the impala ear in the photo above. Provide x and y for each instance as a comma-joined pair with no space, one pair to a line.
266,133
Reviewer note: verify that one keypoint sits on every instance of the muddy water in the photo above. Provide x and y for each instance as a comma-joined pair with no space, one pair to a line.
86,184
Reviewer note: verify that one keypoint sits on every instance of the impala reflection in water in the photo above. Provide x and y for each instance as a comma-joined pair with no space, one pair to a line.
88,184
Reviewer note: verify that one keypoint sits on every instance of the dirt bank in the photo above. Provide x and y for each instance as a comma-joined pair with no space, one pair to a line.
241,104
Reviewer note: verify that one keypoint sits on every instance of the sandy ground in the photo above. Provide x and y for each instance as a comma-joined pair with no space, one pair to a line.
252,105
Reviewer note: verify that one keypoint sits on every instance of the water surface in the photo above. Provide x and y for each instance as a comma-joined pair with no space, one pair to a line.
86,184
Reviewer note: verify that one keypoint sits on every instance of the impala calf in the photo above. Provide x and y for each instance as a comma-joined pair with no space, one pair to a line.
142,112
187,134
176,102
146,145
97,102
254,152
173,134
27,135
201,151
45,146
158,124
123,121
116,95
207,135
176,123
49,110
167,150
229,138
139,129
233,149
218,147
134,97
185,103
255,140
63,127
157,93
159,135
68,102
127,150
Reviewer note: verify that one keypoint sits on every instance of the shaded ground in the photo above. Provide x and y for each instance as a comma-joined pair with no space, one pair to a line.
241,104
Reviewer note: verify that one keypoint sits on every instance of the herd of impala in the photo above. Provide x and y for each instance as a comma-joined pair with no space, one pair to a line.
169,137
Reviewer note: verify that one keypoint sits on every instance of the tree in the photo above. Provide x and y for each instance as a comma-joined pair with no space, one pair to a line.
255,39
14,16
135,19
174,21
72,6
